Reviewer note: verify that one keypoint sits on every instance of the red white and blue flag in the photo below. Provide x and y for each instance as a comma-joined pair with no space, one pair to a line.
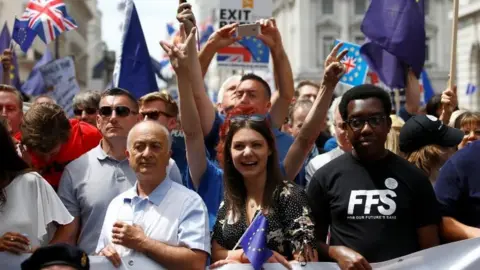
49,18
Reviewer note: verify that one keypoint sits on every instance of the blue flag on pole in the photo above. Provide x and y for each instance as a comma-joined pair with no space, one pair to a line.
35,85
356,67
134,71
23,35
5,44
396,39
254,242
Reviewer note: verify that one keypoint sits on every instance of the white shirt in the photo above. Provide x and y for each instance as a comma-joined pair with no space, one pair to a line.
31,207
319,161
171,214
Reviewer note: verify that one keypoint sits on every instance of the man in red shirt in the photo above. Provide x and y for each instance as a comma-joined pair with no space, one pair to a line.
49,140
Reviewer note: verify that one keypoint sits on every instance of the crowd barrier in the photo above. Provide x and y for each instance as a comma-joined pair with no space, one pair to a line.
463,255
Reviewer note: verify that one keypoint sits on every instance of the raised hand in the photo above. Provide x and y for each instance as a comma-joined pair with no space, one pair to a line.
186,16
178,53
333,66
270,35
6,60
449,99
224,36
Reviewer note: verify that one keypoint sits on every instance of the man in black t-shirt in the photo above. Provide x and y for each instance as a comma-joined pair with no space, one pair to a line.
377,205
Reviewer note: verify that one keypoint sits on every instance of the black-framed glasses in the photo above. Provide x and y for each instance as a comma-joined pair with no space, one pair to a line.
359,123
120,111
154,115
252,117
89,111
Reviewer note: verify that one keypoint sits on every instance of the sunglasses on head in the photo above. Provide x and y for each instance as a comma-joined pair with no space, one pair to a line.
120,111
154,115
90,111
251,117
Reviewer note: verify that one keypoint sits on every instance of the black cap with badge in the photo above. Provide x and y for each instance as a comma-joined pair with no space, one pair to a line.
57,254
423,130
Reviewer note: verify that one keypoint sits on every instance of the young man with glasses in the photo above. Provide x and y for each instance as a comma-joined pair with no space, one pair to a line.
377,205
162,108
90,182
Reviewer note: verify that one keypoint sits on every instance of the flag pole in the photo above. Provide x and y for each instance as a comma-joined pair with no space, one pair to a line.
397,101
453,51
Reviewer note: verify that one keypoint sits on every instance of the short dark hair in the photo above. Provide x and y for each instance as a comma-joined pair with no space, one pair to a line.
364,91
87,99
116,91
45,126
253,77
434,104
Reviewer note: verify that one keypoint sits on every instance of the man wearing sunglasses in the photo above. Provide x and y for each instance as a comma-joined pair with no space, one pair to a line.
90,182
162,108
371,193
85,106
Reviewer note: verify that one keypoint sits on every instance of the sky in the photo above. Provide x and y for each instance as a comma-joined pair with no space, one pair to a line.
154,15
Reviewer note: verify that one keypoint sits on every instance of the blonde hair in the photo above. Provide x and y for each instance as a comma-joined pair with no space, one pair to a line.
468,119
163,95
429,159
393,141
456,116
13,90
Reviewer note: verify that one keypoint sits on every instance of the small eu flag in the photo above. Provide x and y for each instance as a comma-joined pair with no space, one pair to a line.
23,35
356,68
254,242
260,52
471,89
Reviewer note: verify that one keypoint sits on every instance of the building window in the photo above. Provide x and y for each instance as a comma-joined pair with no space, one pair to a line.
359,40
360,6
327,6
327,47
427,49
426,7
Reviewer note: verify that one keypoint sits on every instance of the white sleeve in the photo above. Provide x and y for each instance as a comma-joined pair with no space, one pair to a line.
49,207
173,172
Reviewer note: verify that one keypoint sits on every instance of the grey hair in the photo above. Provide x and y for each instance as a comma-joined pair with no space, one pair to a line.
87,99
331,114
224,85
155,124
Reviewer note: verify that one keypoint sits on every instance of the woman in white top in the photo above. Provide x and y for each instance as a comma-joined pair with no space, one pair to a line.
30,210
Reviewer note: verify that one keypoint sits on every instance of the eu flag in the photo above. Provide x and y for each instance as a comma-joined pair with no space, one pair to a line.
260,52
134,71
356,67
395,32
35,85
5,44
23,35
254,242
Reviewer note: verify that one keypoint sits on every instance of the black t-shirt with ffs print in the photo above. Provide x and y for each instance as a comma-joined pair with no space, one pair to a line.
374,208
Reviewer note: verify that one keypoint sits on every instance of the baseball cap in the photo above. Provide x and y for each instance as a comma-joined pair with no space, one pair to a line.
423,130
57,254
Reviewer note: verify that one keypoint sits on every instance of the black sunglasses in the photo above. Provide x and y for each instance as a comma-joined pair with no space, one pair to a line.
120,111
245,117
154,115
90,111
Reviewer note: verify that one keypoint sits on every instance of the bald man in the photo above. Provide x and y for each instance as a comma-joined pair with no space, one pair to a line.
170,221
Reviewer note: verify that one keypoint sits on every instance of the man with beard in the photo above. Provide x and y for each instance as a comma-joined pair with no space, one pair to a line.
377,205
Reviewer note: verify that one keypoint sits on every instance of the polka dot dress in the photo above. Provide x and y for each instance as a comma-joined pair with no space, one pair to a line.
289,223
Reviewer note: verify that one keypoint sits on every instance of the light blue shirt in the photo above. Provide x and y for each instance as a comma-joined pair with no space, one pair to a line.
171,214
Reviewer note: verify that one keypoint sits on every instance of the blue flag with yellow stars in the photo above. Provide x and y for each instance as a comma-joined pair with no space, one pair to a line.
260,52
5,39
254,242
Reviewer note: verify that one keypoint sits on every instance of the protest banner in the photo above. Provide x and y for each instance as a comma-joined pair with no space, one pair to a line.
462,255
59,78
250,52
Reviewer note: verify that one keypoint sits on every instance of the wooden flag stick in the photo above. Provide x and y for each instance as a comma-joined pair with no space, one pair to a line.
453,52
396,93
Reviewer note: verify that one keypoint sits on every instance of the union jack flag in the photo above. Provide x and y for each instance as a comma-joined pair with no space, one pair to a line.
49,18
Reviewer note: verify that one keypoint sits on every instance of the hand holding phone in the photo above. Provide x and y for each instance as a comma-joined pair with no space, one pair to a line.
248,30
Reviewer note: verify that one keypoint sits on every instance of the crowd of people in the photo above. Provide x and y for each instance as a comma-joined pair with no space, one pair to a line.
345,179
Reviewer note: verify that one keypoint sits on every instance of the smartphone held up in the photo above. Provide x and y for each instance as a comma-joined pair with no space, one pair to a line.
248,30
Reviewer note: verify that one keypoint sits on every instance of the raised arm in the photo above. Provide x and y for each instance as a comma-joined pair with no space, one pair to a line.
185,63
449,104
315,120
281,69
6,65
412,94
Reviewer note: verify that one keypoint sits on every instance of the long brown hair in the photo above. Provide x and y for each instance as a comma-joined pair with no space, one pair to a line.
11,164
235,190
